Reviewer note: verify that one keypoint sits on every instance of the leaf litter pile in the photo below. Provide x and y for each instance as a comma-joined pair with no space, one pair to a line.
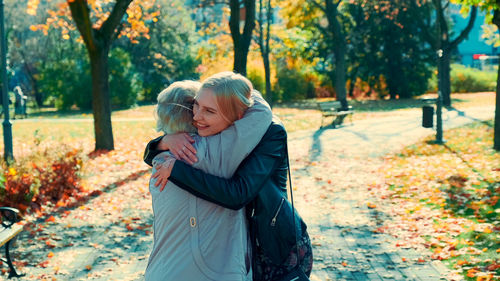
446,198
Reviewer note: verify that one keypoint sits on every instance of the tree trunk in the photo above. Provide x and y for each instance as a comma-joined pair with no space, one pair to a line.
267,74
440,40
241,41
352,82
264,47
101,99
34,85
240,59
339,50
393,77
340,80
445,76
496,132
98,42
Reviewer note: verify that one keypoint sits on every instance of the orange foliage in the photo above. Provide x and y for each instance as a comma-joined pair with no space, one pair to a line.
49,176
138,13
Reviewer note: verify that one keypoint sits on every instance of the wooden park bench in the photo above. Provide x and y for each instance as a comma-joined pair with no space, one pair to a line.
333,108
9,229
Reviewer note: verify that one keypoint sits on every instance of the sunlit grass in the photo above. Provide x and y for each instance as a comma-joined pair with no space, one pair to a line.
77,133
296,116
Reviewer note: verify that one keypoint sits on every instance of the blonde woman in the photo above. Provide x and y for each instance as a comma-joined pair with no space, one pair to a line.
195,239
259,185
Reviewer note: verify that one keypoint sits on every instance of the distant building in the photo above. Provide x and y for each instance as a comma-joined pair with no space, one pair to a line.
473,51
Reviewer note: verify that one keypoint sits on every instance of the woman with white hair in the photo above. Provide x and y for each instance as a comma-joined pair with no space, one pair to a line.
195,239
281,248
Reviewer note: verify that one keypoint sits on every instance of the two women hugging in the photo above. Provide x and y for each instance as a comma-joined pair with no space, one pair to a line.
219,186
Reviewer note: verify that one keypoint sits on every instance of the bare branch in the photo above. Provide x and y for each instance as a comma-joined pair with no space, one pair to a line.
441,20
81,15
269,16
467,29
234,21
249,18
318,5
108,27
446,5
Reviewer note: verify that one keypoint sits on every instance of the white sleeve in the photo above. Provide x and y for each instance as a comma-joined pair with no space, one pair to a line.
161,157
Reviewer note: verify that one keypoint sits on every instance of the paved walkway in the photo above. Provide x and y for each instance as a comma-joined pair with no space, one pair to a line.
333,170
109,236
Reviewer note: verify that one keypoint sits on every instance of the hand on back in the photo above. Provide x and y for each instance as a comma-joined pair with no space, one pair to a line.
180,145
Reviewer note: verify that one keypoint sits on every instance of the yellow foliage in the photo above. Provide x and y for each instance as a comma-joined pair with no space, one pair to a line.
12,172
32,7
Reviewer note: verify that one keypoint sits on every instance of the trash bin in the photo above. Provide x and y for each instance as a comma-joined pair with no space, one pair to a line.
427,116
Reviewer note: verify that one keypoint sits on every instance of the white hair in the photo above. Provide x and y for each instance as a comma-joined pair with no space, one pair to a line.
174,112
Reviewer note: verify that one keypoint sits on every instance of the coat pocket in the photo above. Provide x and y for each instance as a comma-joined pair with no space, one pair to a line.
276,232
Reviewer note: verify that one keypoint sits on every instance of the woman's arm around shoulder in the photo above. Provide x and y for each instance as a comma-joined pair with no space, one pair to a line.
245,184
151,151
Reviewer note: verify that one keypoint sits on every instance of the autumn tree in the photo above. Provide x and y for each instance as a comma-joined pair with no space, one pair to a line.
26,49
326,17
241,26
99,23
492,8
264,36
438,35
168,54
241,39
386,50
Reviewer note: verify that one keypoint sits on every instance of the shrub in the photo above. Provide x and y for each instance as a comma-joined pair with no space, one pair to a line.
467,80
292,85
51,175
257,79
66,83
124,84
464,80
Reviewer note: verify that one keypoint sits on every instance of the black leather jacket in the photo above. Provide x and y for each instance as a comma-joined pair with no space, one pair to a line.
265,167
259,183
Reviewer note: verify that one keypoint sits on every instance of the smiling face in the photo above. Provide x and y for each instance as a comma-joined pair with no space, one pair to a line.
208,118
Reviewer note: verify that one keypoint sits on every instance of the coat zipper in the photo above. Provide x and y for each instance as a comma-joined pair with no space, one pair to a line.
273,221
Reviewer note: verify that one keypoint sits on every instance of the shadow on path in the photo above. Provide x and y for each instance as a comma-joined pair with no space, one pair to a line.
316,150
346,244
465,115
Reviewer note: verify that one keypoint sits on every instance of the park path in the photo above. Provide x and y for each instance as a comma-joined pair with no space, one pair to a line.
333,171
109,236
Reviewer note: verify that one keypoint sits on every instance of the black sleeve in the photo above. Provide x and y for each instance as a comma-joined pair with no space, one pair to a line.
237,191
151,151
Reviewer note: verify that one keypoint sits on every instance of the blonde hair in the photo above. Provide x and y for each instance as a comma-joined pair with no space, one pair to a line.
174,111
232,92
